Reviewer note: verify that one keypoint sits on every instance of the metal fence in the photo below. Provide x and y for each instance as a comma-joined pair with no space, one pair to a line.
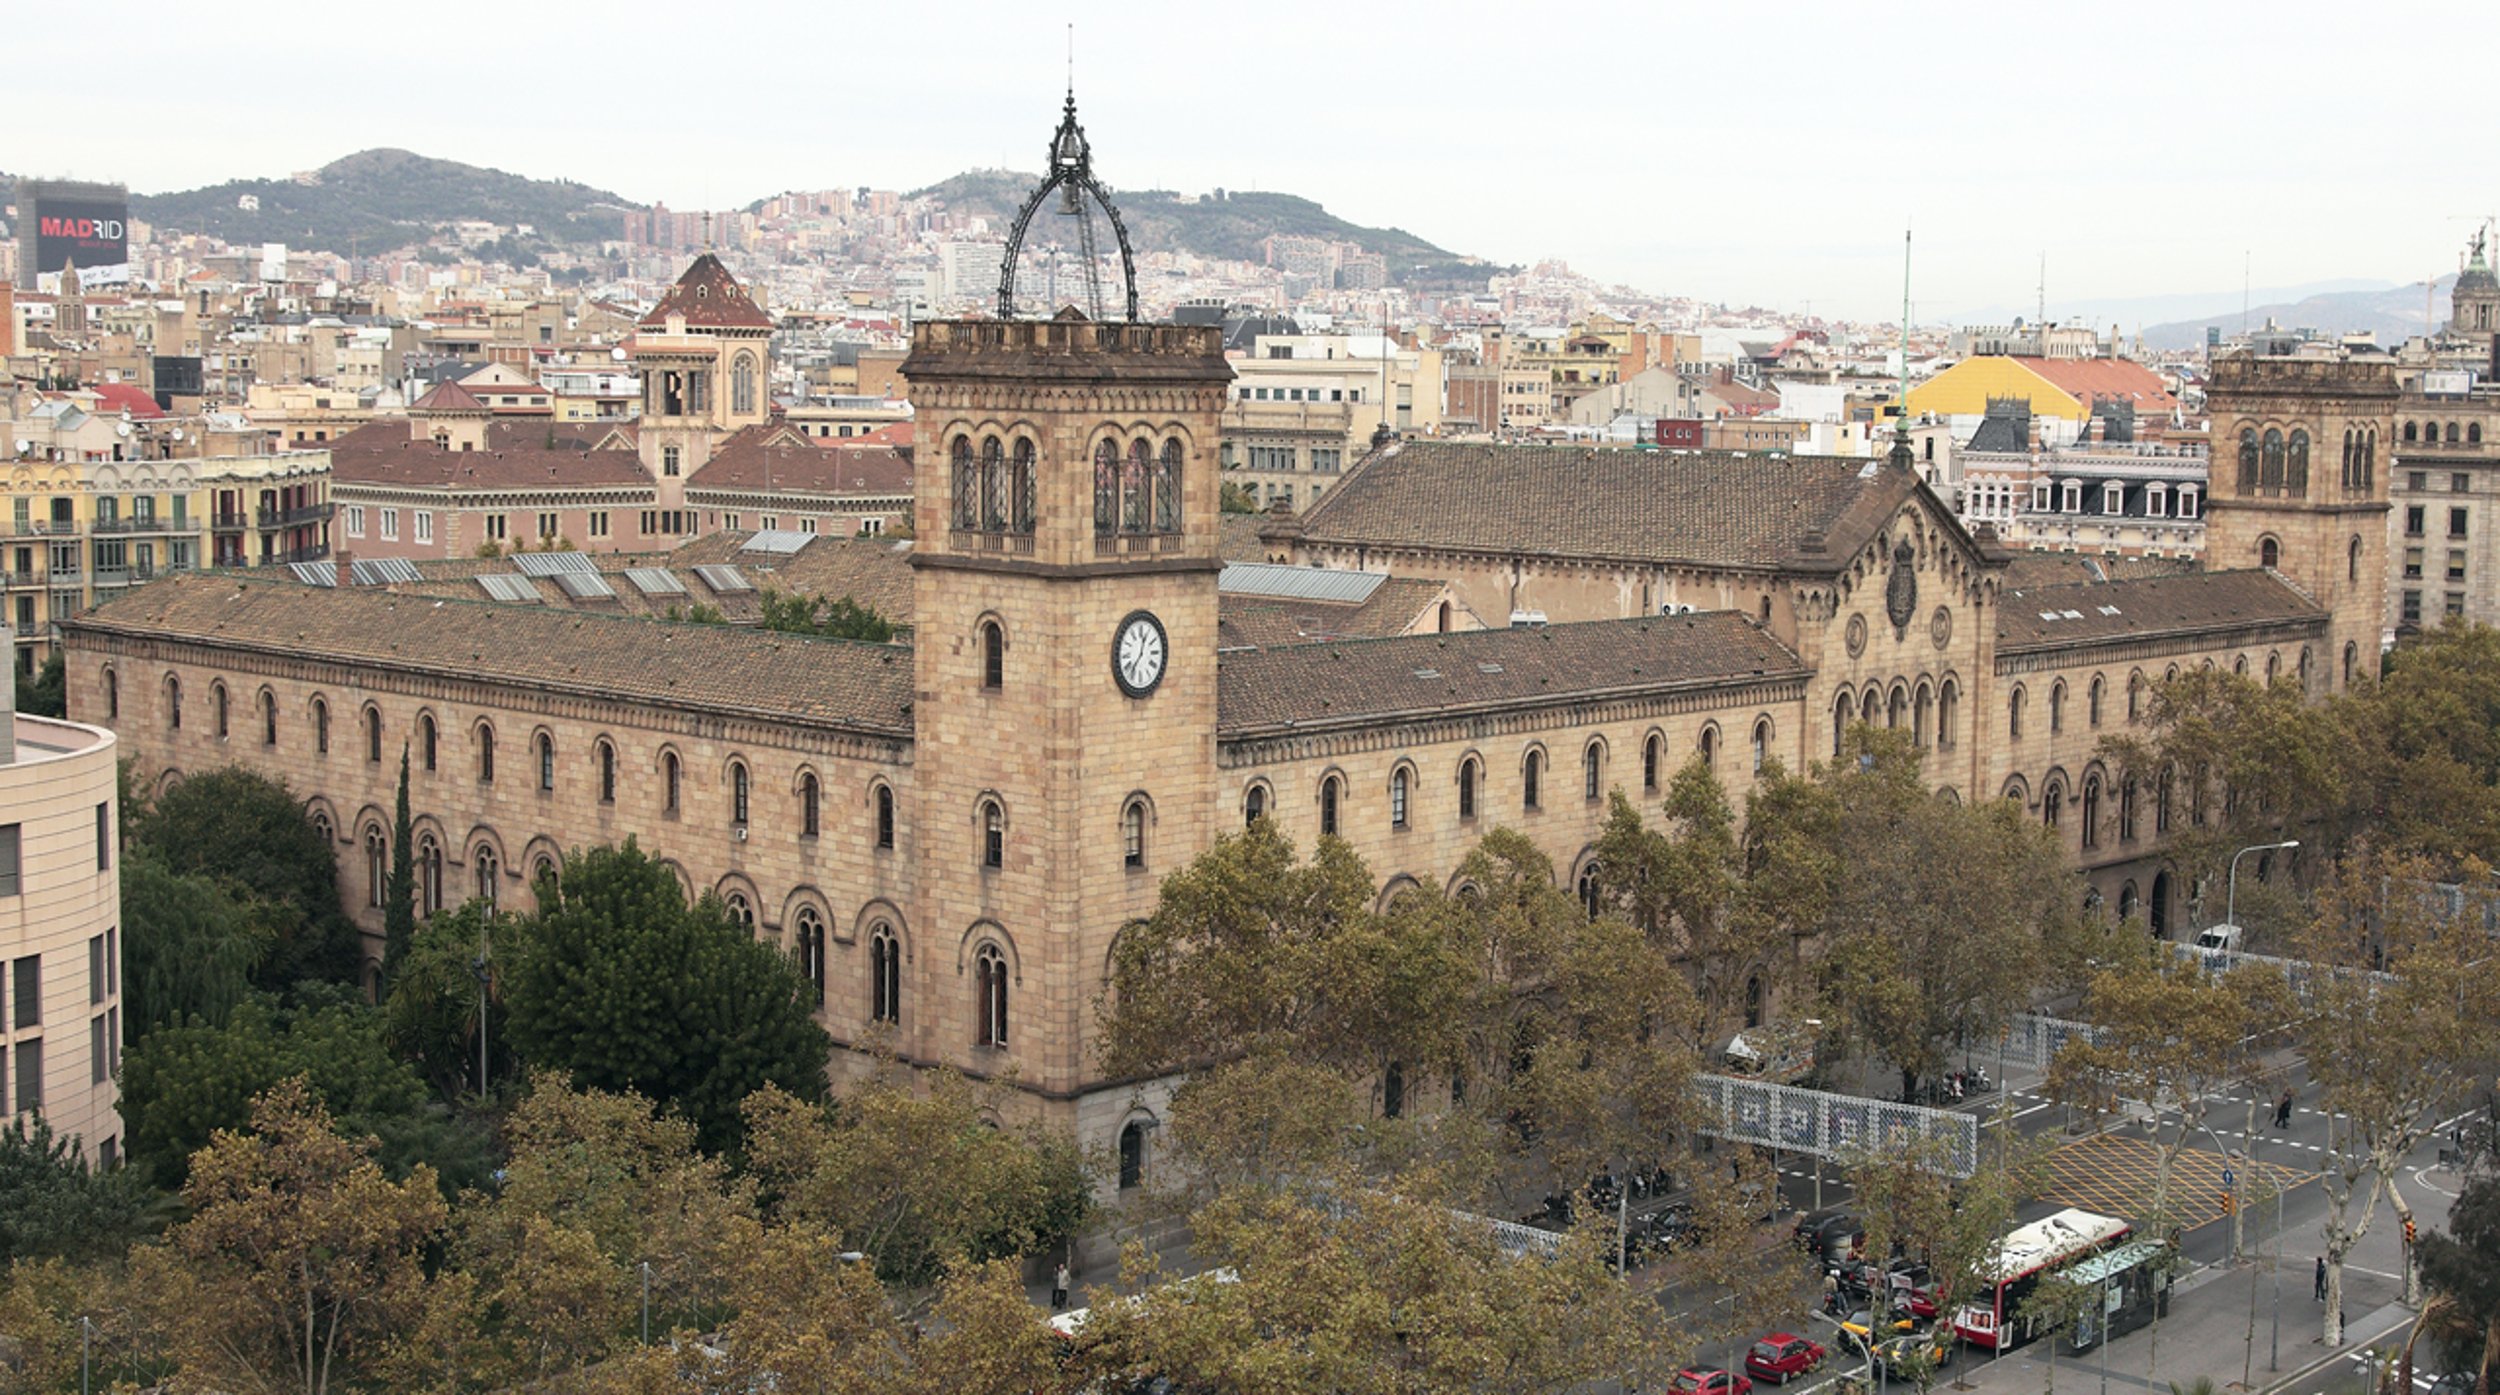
2033,1040
1516,1239
2299,973
1797,1120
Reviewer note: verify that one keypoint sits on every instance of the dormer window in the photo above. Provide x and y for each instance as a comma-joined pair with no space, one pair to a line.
2073,498
2113,499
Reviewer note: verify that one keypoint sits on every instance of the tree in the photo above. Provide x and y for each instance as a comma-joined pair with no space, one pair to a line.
2428,758
48,694
52,1205
618,949
250,833
1908,1199
839,618
1236,498
2462,1265
399,895
916,1178
431,1015
300,1257
189,950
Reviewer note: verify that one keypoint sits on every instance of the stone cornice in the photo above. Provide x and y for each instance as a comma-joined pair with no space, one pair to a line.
1246,749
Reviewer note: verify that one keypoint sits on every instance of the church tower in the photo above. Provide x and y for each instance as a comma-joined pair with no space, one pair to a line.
1064,652
2297,484
2474,304
702,353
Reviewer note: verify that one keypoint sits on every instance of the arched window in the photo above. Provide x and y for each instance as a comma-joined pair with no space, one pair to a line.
546,762
1253,805
967,483
993,834
2452,433
2135,696
994,506
1106,488
1397,797
1591,761
485,754
2057,706
1896,707
428,745
738,793
321,825
1023,486
1135,484
1168,487
217,707
993,655
1531,777
373,735
1761,743
2269,552
2092,810
268,718
2052,803
2352,654
2248,458
885,971
1328,800
2270,461
2126,810
811,952
2161,803
1919,703
321,726
543,878
429,874
2296,472
2092,701
2014,713
488,888
1132,1155
810,805
2274,668
2352,559
2126,902
989,977
1467,774
113,691
1653,755
1753,1001
2411,434
1587,890
672,783
1710,746
742,383
607,771
377,868
2473,433
740,913
885,816
1133,834
1948,710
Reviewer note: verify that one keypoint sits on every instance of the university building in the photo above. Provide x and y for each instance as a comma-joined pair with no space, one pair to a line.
949,836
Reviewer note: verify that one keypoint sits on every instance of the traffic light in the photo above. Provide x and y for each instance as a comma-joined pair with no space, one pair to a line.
2228,1204
2408,1230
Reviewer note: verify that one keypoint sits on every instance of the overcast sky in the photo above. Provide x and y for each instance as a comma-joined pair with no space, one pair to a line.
1766,154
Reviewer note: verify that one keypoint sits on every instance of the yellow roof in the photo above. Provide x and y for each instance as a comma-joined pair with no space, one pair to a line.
1964,390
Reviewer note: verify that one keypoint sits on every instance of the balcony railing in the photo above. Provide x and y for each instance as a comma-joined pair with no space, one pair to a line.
43,528
300,554
310,513
230,522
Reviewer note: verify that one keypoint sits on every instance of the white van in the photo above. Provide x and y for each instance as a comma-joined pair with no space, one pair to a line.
2225,937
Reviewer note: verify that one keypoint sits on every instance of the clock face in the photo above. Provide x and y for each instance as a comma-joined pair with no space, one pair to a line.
1138,653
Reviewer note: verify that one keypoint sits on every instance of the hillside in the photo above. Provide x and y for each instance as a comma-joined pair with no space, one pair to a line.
2394,314
1227,224
377,200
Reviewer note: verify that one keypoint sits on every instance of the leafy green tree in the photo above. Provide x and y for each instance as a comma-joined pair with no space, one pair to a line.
53,1205
2462,1265
2427,737
188,948
431,1015
1238,499
250,832
618,951
47,694
399,895
839,618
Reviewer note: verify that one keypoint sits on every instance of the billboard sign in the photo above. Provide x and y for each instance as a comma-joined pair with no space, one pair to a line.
81,233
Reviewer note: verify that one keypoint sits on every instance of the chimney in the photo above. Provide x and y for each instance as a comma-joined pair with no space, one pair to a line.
347,570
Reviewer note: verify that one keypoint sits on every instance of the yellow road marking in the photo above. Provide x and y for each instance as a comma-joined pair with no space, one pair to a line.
2112,1173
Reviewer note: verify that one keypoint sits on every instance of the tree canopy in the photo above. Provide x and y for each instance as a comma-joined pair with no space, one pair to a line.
249,832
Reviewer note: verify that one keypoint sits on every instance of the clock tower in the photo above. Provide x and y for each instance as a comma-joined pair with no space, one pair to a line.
1064,652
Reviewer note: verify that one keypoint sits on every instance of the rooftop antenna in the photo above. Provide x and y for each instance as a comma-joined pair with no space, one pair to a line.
2040,311
1901,454
2244,264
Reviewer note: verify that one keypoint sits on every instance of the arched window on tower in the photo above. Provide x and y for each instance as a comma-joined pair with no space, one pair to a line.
989,977
2270,461
811,805
994,505
885,974
1136,482
2248,458
1133,835
2296,472
1761,743
1653,755
993,834
993,655
1467,775
885,816
811,949
2269,553
1253,805
1024,487
967,483
1106,488
742,383
2352,560
1168,487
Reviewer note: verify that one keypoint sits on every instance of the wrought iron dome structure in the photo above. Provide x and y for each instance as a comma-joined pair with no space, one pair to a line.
1072,176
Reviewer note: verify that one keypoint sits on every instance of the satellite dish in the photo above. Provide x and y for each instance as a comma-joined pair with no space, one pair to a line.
121,428
617,353
177,433
24,445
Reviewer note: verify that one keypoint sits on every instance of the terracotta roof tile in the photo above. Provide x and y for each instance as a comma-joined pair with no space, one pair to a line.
709,298
784,468
2048,617
381,454
1307,686
864,688
1248,620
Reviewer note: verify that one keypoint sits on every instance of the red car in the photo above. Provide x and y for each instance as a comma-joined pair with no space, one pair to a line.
1710,1381
1782,1357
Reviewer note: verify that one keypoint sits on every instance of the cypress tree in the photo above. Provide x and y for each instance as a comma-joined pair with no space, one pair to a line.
399,901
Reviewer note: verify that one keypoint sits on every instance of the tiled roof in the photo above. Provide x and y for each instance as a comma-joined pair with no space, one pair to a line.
2045,617
1701,508
876,572
709,298
396,462
721,668
2085,379
1237,537
828,470
126,397
448,396
2028,570
1391,609
1307,686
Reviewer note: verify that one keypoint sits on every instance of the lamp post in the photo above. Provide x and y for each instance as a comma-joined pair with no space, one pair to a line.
1865,1347
2231,897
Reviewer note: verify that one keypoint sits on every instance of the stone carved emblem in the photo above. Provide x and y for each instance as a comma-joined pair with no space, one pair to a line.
1855,635
1940,626
1901,590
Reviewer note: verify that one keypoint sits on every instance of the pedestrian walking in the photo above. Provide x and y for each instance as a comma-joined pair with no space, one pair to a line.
2283,1109
1059,1287
2322,1278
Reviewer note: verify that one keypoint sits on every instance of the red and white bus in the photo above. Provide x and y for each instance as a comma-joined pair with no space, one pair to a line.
1992,1317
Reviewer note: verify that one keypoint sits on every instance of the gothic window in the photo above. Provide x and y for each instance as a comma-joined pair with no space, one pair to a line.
810,805
1132,1155
2014,714
2161,803
1253,805
321,726
1467,788
2057,707
217,706
1398,781
373,735
989,977
885,816
2092,811
2270,466
1710,746
885,972
2135,696
1168,487
607,771
2352,457
811,949
2352,653
2126,810
1896,707
546,762
994,505
672,782
742,383
1329,797
738,793
993,655
1591,761
1106,488
1587,889
429,747
2369,458
113,693
2248,458
2269,552
484,861
2352,560
1919,704
1531,777
377,867
1761,743
967,484
485,754
2052,802
1023,486
1133,834
2411,434
1135,484
543,878
268,718
2092,702
1652,756
1948,704
2296,473
993,834
429,874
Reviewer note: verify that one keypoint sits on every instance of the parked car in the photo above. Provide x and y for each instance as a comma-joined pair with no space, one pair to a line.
1935,1346
1709,1380
1782,1357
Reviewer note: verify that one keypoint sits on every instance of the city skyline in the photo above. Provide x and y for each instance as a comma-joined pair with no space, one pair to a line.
2178,165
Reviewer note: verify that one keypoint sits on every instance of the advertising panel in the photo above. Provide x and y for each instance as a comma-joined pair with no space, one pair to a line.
81,233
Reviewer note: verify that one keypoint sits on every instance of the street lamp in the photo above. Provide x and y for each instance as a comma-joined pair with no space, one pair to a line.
1864,1348
2231,898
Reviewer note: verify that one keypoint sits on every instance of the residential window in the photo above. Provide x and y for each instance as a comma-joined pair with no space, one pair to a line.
670,458
104,837
2187,503
495,527
2456,564
355,520
424,520
2073,498
2413,564
26,990
390,525
2459,484
2411,612
96,1051
30,1076
2413,520
549,524
2456,603
10,834
2456,523
599,523
2113,499
2416,480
